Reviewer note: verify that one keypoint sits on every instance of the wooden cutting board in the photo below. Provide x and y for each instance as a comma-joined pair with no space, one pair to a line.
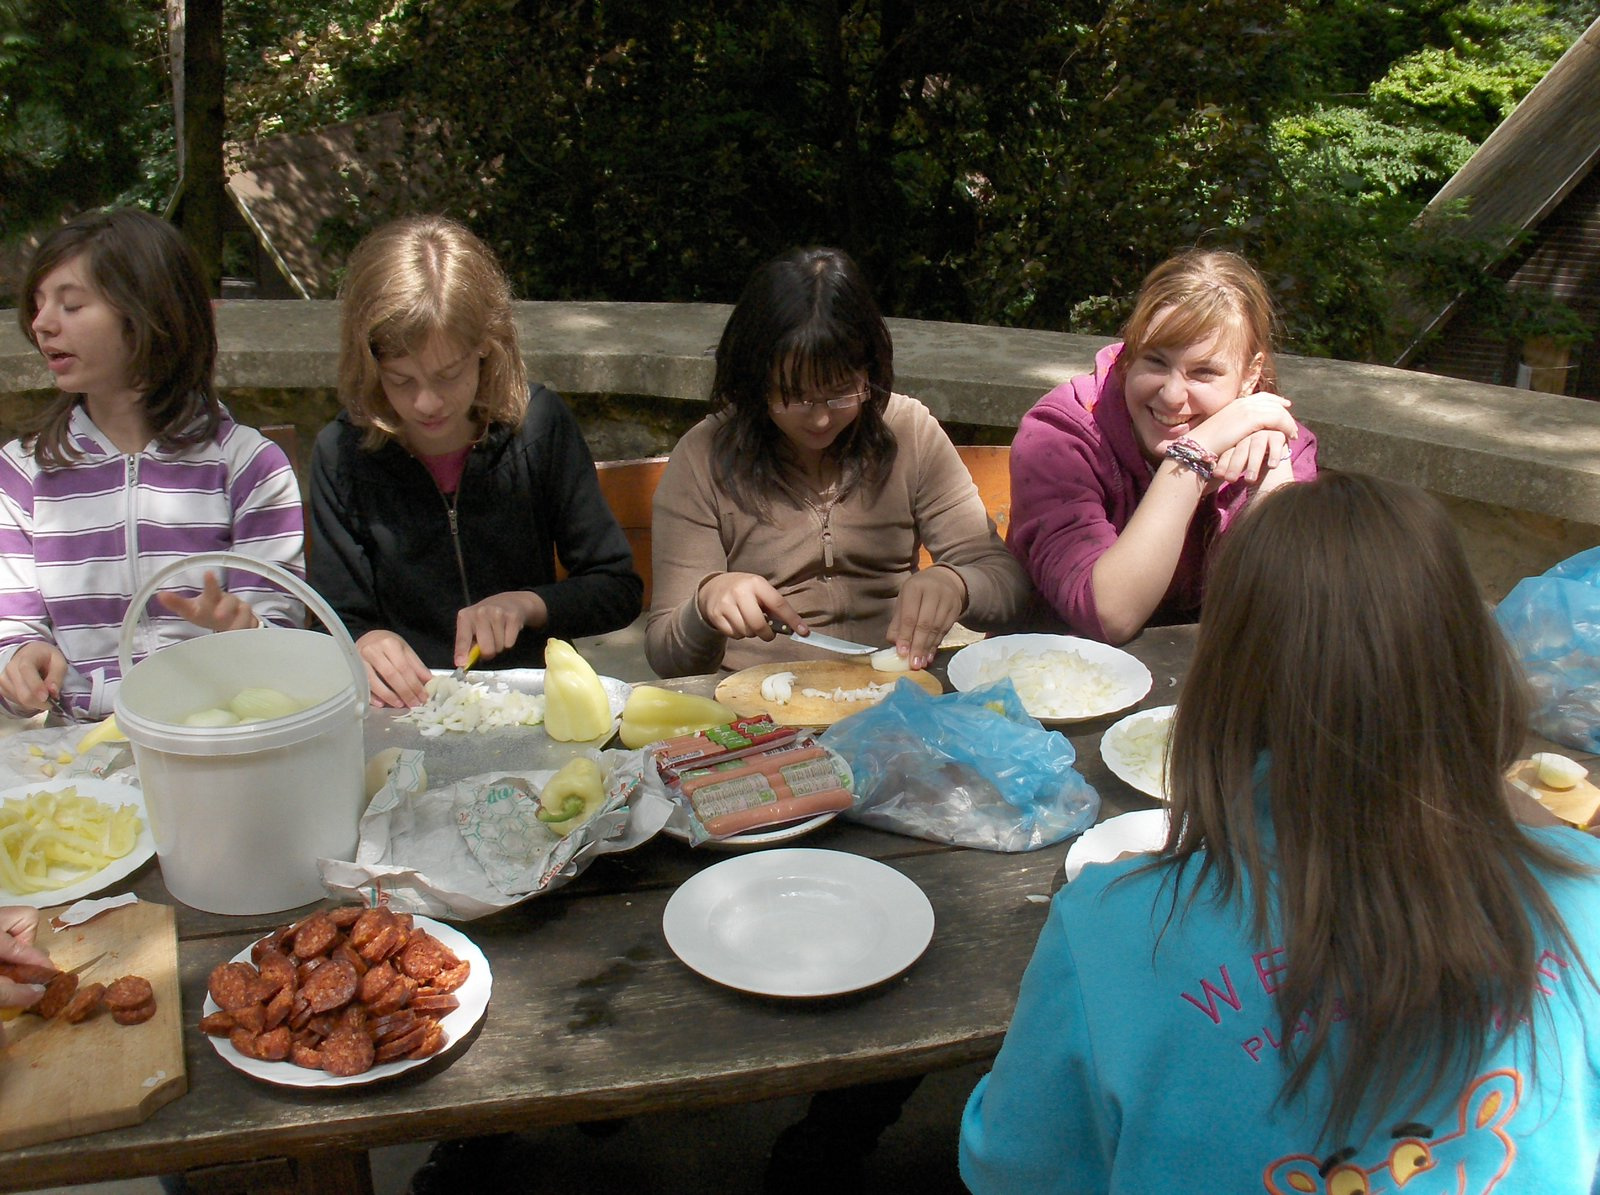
59,1080
741,692
1577,806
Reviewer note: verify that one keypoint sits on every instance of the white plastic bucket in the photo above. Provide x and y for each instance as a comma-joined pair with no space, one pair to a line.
241,814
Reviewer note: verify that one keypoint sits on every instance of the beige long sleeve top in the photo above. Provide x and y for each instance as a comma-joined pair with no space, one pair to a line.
928,499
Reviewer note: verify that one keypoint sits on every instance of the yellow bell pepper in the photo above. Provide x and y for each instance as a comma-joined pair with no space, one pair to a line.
576,708
572,796
107,732
654,714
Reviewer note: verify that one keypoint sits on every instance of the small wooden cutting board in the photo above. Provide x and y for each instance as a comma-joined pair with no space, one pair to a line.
1577,806
741,692
59,1080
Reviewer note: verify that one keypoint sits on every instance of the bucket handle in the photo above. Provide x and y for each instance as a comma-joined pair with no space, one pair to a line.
260,568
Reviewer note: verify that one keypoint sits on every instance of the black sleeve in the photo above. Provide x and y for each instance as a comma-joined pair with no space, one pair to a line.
601,591
337,565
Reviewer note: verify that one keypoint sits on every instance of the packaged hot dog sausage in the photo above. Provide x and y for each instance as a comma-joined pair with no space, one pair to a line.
767,781
738,738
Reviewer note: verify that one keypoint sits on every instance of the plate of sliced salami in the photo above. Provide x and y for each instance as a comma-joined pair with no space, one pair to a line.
369,994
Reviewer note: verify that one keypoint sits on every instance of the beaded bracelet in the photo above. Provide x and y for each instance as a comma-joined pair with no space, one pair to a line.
1190,455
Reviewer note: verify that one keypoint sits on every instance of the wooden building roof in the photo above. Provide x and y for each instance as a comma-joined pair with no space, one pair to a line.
1547,146
287,188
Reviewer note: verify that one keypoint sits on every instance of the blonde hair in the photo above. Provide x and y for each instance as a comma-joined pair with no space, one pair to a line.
411,282
1203,292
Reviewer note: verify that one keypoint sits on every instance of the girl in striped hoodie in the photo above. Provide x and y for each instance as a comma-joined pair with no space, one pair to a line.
134,464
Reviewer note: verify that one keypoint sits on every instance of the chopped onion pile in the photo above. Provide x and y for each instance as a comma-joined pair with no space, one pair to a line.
1141,740
1054,684
871,692
462,706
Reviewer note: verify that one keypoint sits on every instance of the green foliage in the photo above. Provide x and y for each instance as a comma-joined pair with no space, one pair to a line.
63,146
1022,162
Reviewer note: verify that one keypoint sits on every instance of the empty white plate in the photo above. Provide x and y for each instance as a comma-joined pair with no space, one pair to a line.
798,922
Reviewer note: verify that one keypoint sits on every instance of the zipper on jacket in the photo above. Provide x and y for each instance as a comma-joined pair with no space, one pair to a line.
824,517
130,494
450,501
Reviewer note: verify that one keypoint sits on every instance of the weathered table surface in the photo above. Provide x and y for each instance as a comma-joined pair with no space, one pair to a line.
592,1016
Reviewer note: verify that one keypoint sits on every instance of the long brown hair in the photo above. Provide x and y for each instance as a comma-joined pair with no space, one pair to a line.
1350,683
1201,292
144,269
805,320
407,283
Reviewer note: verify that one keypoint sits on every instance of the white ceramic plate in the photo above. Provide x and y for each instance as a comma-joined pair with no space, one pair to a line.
1113,680
1144,830
474,997
797,922
1135,750
751,840
80,883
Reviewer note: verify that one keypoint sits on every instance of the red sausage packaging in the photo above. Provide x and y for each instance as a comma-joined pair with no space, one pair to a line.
752,774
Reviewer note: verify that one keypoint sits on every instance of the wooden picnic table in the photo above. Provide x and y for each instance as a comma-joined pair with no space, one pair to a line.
592,1017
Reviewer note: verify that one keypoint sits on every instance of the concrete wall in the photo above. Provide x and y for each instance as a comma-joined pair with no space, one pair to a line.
1519,469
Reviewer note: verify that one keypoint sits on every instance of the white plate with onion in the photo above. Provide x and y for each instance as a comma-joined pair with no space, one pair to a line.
1135,749
1059,678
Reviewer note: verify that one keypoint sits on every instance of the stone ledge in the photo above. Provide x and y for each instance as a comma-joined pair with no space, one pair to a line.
1516,449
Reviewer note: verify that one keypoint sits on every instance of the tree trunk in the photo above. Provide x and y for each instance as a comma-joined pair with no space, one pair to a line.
200,205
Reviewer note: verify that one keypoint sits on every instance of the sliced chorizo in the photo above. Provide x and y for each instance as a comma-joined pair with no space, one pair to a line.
345,915
273,1045
137,1015
331,986
432,1043
451,978
233,985
367,925
315,935
277,971
84,1004
375,981
347,1053
57,994
434,1004
402,1046
395,997
129,992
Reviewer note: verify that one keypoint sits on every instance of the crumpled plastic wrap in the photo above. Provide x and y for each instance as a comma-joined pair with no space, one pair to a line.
49,751
450,854
1553,625
973,769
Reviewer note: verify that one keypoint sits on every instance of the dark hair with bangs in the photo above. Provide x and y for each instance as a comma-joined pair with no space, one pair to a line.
143,268
805,320
1206,291
1347,663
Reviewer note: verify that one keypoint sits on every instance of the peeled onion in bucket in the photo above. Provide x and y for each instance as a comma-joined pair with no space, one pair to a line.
262,705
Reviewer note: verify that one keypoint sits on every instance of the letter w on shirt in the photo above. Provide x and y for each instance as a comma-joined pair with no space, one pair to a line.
1207,1001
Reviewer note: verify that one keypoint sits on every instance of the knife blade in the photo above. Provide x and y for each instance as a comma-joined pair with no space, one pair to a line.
472,658
827,642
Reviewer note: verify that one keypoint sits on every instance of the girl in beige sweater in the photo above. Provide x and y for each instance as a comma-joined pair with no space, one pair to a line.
803,498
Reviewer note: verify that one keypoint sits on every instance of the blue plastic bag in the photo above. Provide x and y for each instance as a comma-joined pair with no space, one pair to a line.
1553,624
973,769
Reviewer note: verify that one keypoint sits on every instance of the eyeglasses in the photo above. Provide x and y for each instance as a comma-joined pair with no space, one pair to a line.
842,402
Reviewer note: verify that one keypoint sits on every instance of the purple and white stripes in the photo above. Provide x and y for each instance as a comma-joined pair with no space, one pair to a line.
77,542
